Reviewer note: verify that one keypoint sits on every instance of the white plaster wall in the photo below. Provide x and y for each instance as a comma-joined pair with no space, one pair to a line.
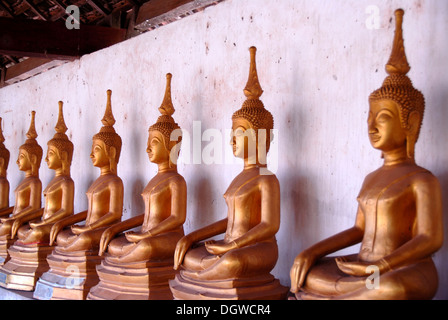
317,63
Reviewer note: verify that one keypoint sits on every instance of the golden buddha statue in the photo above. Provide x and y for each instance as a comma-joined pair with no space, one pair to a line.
28,192
238,267
5,209
29,253
399,218
138,265
76,253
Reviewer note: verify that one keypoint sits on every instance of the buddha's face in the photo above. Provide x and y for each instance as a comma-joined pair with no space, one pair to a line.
385,130
243,139
53,158
24,161
156,148
99,154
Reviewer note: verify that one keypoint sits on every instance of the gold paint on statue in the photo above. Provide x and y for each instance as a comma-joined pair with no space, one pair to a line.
148,254
238,267
5,209
28,192
399,218
105,195
77,245
29,252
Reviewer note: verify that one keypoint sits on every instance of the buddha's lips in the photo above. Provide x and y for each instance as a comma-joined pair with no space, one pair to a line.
375,137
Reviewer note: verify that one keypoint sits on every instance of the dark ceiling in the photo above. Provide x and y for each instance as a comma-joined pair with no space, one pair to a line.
33,33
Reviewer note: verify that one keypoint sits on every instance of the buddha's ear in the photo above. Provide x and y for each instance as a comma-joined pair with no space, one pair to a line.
413,126
414,120
33,159
112,152
64,155
2,161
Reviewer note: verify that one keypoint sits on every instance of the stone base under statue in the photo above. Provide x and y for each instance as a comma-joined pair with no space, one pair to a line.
24,267
4,246
71,276
134,281
256,288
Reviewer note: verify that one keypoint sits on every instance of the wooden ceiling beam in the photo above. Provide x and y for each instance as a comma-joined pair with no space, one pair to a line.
52,40
155,13
35,9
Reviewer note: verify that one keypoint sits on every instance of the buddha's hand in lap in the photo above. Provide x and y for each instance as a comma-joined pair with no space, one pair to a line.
353,268
302,264
36,224
80,229
132,236
216,248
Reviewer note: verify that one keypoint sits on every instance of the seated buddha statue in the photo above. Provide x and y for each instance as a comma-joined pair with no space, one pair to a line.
164,196
29,252
5,209
75,256
399,218
150,250
28,192
105,194
59,194
249,249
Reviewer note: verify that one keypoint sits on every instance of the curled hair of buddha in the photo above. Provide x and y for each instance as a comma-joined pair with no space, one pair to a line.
253,109
60,139
4,153
398,87
107,133
31,146
165,123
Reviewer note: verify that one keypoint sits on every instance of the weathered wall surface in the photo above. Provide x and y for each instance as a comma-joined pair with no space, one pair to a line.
317,62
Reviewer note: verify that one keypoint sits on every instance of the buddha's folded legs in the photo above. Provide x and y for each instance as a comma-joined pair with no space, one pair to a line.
158,247
5,228
326,281
248,261
40,234
67,241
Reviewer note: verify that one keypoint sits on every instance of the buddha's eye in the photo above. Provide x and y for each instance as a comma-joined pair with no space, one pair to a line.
239,132
383,117
154,142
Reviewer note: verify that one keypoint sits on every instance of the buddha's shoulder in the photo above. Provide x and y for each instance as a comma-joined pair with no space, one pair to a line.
268,178
112,180
177,179
412,173
424,176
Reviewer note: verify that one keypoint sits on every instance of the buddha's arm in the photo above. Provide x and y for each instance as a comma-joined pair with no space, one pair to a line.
201,234
67,201
306,259
20,221
428,229
6,211
4,195
115,207
110,232
61,224
178,209
34,202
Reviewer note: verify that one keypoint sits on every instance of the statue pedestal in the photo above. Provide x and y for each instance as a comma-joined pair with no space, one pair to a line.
25,265
257,288
4,246
135,281
71,276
